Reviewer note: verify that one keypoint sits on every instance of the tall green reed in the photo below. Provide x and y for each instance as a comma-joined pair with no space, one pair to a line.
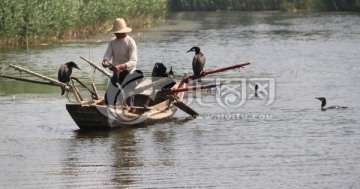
38,21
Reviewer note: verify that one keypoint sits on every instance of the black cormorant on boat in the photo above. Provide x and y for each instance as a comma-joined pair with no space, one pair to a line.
64,73
198,61
323,104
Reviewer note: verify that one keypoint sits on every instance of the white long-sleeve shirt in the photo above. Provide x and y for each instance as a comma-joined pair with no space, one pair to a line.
122,51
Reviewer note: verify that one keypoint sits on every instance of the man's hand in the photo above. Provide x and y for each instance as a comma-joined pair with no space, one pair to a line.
105,63
119,67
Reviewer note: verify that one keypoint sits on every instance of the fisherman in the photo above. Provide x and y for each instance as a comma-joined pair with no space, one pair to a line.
122,51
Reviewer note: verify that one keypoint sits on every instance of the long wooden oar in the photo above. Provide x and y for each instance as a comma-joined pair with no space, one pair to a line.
205,73
180,104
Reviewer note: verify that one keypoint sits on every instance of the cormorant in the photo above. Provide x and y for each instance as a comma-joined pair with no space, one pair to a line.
171,73
256,90
198,61
323,104
64,73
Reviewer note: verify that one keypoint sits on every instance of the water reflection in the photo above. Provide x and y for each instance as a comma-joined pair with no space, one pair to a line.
117,155
110,155
126,157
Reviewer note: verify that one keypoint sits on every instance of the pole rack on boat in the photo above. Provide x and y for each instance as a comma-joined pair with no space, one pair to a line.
205,73
52,81
192,88
94,95
26,80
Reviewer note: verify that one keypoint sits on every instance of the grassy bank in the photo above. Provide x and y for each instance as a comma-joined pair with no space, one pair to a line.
260,5
40,21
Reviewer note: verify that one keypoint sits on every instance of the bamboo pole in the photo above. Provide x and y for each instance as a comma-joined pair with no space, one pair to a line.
102,70
27,80
205,73
83,85
95,91
192,88
53,81
76,92
183,80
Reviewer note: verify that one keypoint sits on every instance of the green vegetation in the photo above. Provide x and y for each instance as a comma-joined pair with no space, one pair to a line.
45,21
38,21
259,5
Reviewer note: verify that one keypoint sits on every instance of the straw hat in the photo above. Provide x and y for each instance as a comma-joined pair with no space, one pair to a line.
120,26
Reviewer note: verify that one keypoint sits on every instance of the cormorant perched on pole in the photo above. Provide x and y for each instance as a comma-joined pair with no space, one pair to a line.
323,104
64,73
198,61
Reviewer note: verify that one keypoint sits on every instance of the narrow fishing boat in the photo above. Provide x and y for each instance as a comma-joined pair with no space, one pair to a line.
148,102
143,107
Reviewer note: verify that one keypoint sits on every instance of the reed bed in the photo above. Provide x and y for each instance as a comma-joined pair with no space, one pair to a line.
46,21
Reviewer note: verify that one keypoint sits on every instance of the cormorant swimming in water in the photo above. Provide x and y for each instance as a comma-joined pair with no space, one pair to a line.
198,61
256,90
171,73
323,104
64,73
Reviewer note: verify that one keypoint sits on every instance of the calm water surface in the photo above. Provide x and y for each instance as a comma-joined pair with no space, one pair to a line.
287,144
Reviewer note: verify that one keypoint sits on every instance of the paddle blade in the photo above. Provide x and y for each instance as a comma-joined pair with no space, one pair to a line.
182,106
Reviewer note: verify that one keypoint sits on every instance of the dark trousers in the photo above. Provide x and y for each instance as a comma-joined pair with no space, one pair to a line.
124,80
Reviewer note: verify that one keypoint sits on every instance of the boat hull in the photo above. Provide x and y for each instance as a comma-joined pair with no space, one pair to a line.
141,110
105,117
87,117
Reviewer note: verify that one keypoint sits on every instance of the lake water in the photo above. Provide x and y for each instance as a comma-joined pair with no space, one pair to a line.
280,139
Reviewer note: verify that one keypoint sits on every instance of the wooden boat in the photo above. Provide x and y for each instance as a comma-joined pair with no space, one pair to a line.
137,109
146,103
